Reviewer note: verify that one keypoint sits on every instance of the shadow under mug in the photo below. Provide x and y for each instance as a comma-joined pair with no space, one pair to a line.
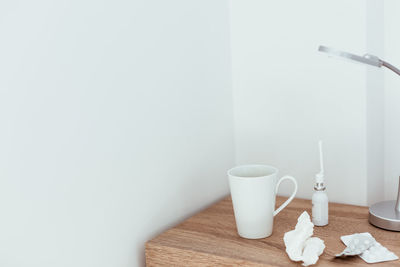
253,190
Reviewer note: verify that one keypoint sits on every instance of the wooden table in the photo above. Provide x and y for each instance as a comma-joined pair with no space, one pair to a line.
209,238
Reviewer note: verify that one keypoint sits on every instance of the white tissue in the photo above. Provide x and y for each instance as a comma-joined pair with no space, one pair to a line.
299,245
313,248
376,253
295,239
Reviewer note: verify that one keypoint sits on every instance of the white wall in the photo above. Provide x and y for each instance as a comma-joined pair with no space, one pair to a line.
287,95
116,123
375,91
392,98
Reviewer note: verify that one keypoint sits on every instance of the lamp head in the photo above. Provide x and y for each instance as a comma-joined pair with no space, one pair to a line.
365,59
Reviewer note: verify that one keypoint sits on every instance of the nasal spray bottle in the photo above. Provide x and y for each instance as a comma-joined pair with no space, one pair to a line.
320,198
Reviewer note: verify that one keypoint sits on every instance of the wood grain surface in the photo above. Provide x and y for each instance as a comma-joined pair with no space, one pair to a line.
209,238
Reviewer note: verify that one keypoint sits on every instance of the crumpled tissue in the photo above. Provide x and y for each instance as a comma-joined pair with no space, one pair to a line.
300,246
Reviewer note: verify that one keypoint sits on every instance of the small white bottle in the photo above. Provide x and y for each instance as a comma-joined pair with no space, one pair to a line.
320,198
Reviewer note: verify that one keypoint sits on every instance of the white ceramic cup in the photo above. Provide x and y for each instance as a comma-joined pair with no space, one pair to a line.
253,191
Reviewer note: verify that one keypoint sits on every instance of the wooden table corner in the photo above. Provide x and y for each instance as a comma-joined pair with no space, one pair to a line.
209,238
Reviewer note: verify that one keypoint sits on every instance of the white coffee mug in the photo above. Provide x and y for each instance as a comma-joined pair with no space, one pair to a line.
253,191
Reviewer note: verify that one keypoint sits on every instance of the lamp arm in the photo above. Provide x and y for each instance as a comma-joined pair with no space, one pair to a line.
391,67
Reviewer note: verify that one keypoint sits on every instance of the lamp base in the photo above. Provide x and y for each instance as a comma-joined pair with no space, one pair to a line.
384,215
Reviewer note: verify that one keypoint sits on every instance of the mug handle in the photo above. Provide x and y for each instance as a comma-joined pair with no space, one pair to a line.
287,177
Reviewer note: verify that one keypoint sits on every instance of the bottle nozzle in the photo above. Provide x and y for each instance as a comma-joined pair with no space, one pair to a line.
319,177
321,160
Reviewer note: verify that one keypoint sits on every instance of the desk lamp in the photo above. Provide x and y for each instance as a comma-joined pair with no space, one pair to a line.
385,214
